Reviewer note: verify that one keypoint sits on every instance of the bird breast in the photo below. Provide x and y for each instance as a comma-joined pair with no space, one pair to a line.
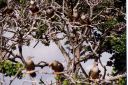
95,69
94,73
30,65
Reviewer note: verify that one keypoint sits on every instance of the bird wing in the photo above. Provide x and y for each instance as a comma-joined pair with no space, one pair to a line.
90,72
61,68
94,72
30,65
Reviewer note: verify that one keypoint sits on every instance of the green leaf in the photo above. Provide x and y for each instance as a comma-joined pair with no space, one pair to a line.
65,82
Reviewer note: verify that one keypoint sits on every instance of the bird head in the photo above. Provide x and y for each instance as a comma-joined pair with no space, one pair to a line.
53,63
32,2
29,58
75,13
83,16
56,66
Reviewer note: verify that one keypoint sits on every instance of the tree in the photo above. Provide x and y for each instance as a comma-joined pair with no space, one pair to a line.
87,27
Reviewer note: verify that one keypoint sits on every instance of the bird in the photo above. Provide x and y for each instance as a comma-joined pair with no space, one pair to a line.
83,16
75,15
33,7
84,19
50,12
7,11
30,66
57,66
94,71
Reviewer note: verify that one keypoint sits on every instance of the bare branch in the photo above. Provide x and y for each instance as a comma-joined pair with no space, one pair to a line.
40,65
104,69
66,56
15,76
84,72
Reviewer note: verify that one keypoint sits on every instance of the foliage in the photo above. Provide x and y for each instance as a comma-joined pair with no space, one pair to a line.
65,82
3,3
122,81
118,45
9,68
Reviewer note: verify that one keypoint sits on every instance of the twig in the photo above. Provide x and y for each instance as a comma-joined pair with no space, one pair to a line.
112,78
7,50
42,62
76,5
63,51
96,15
104,68
36,44
39,64
87,57
91,12
15,76
1,82
84,72
28,81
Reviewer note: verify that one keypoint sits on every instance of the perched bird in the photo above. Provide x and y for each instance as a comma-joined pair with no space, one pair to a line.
7,10
33,7
75,15
83,16
30,66
84,19
94,71
50,12
56,66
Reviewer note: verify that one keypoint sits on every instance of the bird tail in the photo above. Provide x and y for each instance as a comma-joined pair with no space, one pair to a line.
33,74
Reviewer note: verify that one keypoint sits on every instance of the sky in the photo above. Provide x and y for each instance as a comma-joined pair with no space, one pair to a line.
48,54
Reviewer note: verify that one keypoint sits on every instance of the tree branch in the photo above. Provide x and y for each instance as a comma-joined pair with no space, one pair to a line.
39,64
63,51
84,72
104,68
15,76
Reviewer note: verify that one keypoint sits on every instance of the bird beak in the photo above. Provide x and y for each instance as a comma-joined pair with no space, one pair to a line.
49,65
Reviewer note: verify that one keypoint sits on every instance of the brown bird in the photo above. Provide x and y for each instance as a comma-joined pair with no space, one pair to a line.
94,71
84,19
30,66
56,66
7,10
50,12
33,7
83,16
75,15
